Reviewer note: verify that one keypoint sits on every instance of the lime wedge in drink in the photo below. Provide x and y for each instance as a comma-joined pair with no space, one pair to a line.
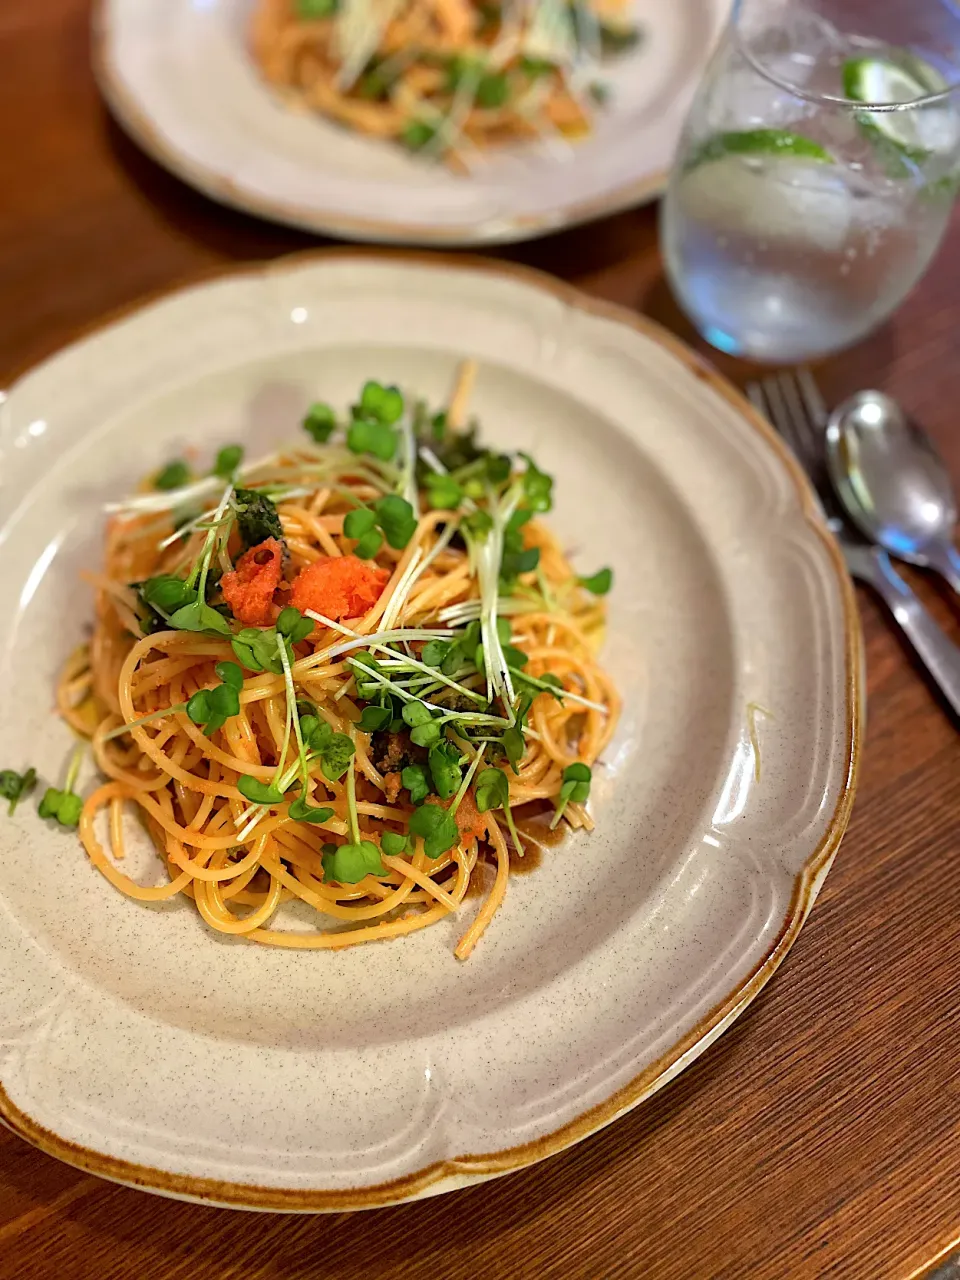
759,142
772,196
917,132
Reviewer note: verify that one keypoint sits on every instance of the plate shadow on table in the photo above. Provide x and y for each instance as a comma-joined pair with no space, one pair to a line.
230,233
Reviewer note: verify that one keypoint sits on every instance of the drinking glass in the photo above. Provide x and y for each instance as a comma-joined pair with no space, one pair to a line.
816,172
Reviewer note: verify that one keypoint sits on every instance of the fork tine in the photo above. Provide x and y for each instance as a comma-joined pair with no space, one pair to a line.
812,399
779,415
758,399
806,425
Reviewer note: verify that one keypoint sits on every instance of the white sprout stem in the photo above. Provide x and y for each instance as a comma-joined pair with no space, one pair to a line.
415,570
489,556
561,693
379,639
399,593
135,724
433,674
432,461
465,784
352,796
408,476
292,705
465,717
206,555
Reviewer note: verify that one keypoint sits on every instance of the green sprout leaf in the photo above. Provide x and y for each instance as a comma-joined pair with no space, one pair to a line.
14,786
64,806
293,625
228,459
600,583
349,863
393,844
414,778
167,592
301,811
383,404
230,674
437,828
444,761
367,436
443,492
395,517
336,756
320,422
537,486
200,617
359,522
374,718
259,792
575,786
491,790
369,545
174,475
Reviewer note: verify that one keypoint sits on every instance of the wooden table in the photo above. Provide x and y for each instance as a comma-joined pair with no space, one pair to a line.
821,1135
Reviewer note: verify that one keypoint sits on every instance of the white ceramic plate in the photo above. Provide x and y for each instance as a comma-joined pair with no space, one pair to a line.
141,1046
178,77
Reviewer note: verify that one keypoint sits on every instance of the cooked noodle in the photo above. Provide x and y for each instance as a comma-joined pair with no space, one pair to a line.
183,783
443,76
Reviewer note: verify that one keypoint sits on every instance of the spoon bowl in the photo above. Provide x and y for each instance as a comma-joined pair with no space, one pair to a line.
893,483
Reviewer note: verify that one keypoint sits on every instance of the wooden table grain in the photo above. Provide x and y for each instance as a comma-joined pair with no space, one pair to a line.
821,1135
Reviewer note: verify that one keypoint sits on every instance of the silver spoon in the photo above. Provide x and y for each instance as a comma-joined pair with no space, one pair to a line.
893,483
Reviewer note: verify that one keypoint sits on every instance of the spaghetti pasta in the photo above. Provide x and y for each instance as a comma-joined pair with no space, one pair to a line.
445,77
339,683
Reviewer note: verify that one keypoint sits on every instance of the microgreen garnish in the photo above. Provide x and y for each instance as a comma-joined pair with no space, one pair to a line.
372,428
537,486
443,492
259,792
174,475
437,828
600,583
316,9
383,404
65,806
213,707
320,422
228,459
14,786
334,750
373,718
478,523
392,516
414,778
167,593
444,762
575,787
418,134
492,791
349,863
395,517
513,737
256,649
364,436
200,617
393,844
257,517
301,811
293,625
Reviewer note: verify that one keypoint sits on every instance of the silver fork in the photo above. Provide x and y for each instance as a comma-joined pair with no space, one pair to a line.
793,404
